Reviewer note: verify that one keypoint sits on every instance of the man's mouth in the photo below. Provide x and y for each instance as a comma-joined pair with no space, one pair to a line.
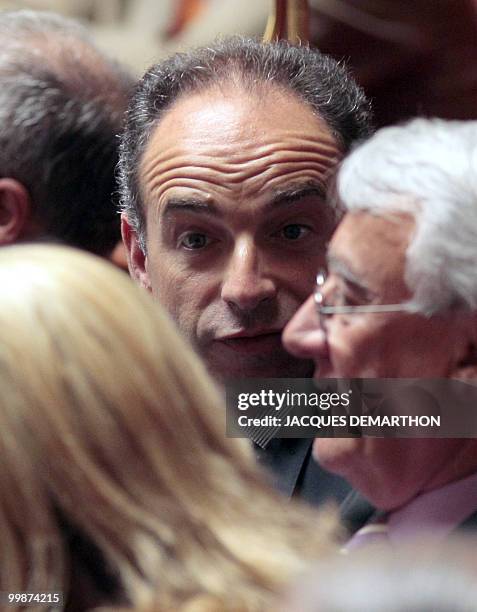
253,341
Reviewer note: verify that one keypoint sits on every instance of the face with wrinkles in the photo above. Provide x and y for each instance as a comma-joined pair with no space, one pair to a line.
366,267
233,188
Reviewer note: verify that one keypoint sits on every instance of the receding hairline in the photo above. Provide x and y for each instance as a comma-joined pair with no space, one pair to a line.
239,84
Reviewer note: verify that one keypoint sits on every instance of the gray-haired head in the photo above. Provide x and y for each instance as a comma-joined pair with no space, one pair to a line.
428,169
61,107
321,82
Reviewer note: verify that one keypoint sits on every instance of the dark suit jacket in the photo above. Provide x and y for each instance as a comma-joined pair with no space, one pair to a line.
470,523
356,511
295,473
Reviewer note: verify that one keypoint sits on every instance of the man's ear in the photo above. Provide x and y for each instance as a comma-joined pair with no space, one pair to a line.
119,257
15,211
137,260
466,367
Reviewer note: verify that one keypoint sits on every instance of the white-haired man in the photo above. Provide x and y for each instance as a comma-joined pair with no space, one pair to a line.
400,301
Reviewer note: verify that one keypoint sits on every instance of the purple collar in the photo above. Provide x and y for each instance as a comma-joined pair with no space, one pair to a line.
435,513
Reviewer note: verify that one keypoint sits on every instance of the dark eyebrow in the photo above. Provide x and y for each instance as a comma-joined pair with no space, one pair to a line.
281,197
190,204
337,265
294,193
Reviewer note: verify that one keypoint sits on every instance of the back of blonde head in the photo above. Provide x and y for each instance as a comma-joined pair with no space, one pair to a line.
108,420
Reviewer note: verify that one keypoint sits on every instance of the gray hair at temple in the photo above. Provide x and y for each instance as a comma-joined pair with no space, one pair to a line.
316,79
61,107
428,169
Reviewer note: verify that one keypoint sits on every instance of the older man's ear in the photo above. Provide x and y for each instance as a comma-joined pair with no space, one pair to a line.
15,212
466,366
137,260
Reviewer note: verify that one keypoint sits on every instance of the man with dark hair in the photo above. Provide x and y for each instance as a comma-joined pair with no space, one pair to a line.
61,107
224,163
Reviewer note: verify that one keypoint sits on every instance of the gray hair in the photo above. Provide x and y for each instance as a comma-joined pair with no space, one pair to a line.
428,169
317,79
61,107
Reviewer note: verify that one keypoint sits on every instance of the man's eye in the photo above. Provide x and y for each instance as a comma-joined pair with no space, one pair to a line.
194,240
294,231
346,299
350,301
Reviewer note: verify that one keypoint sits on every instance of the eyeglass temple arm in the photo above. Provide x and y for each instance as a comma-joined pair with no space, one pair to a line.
363,308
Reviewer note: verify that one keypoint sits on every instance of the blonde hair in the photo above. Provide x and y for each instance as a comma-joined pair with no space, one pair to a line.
110,424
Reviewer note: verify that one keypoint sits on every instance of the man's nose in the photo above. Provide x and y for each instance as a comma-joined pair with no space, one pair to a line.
303,336
246,285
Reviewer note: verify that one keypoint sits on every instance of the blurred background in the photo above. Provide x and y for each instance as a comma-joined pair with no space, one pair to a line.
139,32
413,57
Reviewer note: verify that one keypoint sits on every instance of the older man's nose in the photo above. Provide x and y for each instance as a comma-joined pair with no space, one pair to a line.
246,285
303,336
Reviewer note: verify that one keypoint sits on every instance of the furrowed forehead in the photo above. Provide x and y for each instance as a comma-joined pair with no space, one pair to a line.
229,142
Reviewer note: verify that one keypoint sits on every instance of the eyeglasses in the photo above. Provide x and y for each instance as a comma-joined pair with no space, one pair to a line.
325,311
